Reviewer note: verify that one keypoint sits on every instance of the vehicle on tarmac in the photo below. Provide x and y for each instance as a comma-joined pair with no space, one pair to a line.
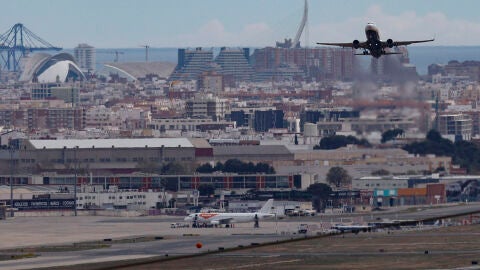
303,228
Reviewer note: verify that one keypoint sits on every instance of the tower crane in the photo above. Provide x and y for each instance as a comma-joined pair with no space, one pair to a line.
146,51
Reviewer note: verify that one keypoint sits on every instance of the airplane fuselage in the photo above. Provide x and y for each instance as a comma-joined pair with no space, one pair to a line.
374,43
374,46
226,218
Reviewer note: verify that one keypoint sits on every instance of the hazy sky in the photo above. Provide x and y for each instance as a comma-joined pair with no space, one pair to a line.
189,23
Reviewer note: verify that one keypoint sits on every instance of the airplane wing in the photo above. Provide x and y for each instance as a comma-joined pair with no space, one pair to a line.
345,45
403,43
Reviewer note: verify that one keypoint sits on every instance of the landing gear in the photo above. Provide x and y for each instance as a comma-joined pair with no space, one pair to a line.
365,52
256,225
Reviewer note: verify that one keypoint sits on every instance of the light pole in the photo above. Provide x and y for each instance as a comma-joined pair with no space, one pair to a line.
11,150
276,220
75,180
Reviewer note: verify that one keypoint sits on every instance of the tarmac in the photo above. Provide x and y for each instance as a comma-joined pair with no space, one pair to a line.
25,232
35,232
38,231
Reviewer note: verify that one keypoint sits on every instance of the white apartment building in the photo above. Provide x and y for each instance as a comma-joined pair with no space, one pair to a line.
85,56
455,125
124,116
100,117
203,106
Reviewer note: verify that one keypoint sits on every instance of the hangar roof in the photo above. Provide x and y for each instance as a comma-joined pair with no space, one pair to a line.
108,143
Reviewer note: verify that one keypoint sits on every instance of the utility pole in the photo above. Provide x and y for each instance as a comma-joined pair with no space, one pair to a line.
146,51
11,150
75,180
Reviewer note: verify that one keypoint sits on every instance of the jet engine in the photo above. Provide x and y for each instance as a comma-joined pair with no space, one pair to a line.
390,43
356,44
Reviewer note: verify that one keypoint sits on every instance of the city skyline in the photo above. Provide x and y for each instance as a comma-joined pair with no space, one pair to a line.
188,23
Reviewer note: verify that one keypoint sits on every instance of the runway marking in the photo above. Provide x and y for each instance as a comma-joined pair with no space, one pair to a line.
256,265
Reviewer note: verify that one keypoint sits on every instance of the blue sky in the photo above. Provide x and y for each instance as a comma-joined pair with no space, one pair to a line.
189,23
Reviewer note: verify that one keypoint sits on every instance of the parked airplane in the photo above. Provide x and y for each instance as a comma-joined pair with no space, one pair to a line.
354,228
229,218
374,46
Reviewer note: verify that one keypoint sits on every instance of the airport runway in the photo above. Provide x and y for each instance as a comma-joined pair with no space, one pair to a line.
45,231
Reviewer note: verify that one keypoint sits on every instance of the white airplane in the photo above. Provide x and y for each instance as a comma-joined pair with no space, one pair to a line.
229,218
374,46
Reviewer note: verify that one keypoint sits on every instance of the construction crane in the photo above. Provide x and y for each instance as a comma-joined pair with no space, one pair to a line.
146,51
113,52
18,42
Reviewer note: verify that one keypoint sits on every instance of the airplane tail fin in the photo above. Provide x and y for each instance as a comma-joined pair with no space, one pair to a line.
267,207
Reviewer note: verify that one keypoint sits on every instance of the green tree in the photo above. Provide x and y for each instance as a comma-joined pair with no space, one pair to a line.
206,189
434,144
174,168
233,166
391,134
434,136
205,168
320,193
218,167
264,168
338,177
337,141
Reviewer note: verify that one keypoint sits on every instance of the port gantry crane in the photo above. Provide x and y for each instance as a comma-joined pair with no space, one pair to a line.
18,42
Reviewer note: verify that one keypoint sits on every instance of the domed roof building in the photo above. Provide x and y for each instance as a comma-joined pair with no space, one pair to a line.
45,68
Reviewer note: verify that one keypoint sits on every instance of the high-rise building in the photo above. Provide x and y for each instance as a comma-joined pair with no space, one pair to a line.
235,64
265,120
192,63
69,94
207,106
318,63
456,126
85,56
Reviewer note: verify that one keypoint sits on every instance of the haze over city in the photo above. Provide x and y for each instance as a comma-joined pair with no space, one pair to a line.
215,134
187,23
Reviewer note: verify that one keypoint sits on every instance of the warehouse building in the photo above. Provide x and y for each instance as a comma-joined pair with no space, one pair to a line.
100,155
